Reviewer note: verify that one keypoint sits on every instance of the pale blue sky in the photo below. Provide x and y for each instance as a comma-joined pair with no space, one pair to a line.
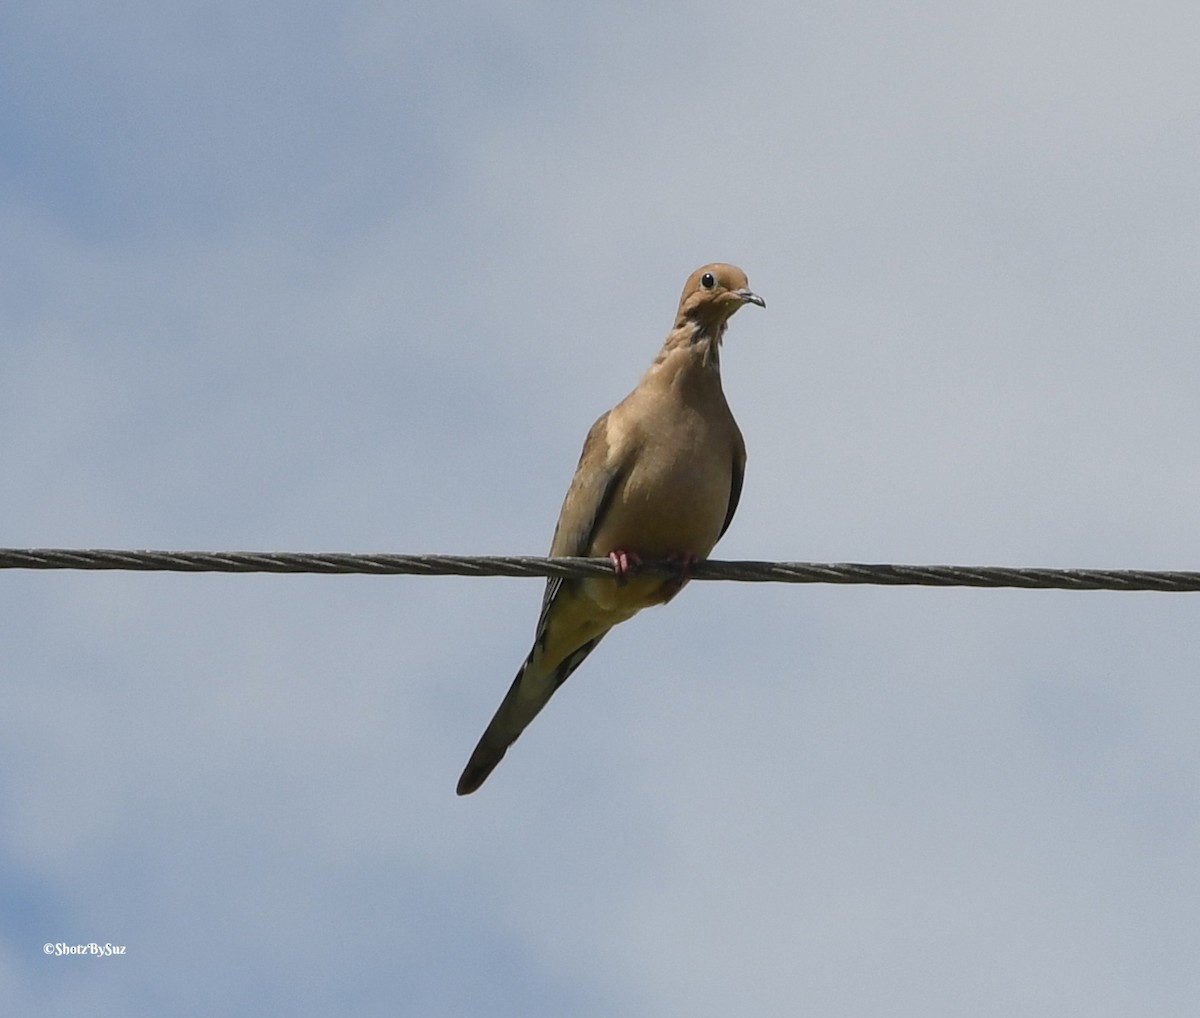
359,277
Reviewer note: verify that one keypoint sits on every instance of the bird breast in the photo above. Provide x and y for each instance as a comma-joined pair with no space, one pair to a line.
674,499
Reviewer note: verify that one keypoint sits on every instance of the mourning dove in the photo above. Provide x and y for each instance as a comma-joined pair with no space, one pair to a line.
659,478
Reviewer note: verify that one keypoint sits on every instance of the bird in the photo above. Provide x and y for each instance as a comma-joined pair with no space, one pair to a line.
659,479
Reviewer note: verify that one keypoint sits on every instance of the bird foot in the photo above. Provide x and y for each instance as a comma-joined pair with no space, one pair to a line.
684,560
624,563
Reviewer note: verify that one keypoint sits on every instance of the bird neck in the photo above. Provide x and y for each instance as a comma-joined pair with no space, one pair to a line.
694,343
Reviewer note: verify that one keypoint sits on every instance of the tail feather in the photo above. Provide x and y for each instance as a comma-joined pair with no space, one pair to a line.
521,704
483,761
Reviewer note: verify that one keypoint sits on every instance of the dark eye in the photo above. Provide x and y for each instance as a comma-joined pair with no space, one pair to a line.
708,281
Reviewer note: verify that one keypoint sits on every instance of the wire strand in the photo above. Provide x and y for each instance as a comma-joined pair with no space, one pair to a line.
525,565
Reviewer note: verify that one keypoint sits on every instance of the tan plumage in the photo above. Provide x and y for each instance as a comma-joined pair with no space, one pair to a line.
659,478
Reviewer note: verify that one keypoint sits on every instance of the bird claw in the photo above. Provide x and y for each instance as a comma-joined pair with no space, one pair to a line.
624,563
684,560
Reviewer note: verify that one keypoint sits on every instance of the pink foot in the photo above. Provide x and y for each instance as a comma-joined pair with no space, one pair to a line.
624,563
685,560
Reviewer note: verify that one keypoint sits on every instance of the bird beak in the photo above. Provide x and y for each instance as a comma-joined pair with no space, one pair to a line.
750,297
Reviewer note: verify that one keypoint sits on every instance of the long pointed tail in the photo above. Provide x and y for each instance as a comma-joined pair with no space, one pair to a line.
528,694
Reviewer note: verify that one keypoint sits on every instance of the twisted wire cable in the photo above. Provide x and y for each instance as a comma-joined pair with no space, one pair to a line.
527,565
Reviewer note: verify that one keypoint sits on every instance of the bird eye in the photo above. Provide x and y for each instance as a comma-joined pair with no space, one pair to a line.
708,281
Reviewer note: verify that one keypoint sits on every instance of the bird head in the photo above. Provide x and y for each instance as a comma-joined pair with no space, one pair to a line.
714,292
